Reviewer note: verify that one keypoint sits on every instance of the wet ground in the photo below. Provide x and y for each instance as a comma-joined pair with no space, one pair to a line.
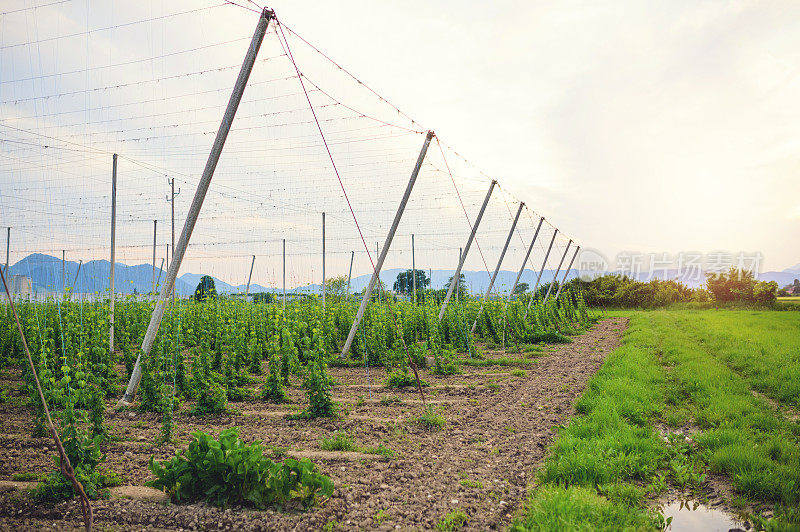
498,425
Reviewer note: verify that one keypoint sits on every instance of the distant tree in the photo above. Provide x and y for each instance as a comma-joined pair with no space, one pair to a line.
264,297
205,288
336,287
521,288
740,285
462,284
405,281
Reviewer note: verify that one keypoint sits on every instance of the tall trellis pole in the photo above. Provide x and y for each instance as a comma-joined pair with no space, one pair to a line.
350,274
541,271
564,279
499,263
284,274
112,294
8,248
249,276
382,256
197,202
323,261
527,255
463,255
413,271
155,224
555,277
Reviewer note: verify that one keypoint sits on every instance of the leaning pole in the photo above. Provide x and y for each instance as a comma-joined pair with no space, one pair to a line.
197,202
541,271
555,277
463,255
497,268
387,244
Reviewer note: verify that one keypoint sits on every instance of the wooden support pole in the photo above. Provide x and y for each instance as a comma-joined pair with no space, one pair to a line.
284,274
197,202
541,271
350,274
112,295
323,261
497,268
527,255
249,276
564,280
462,256
555,277
8,248
413,270
382,256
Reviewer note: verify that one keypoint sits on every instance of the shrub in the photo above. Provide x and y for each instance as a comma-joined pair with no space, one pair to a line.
229,472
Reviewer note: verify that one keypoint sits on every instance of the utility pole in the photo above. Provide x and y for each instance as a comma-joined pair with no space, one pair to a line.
541,271
250,276
457,275
323,261
382,256
113,253
284,274
63,270
197,202
350,273
560,286
527,254
497,268
413,270
555,277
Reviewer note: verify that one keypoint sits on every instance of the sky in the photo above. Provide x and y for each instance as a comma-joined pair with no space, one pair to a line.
647,126
633,127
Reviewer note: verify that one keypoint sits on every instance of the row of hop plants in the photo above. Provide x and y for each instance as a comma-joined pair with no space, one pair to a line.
213,351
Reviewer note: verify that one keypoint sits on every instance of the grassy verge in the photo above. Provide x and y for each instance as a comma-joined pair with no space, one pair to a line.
672,368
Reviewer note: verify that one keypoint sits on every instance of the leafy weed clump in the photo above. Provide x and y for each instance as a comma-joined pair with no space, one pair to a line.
455,520
228,472
400,378
340,441
431,420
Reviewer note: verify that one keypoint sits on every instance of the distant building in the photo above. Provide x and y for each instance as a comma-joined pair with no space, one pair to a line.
20,286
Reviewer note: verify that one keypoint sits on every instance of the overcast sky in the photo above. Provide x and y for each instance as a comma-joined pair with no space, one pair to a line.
632,126
645,126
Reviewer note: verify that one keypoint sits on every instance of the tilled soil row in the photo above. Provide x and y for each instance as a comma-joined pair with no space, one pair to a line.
498,427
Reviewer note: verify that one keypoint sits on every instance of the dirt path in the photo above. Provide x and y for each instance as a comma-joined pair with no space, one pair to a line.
498,426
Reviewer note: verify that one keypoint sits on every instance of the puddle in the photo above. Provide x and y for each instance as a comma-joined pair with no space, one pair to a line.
690,516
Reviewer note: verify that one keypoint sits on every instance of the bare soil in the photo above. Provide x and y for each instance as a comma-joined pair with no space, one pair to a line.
498,426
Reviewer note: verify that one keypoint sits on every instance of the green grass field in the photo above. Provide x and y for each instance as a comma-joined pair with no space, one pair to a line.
731,378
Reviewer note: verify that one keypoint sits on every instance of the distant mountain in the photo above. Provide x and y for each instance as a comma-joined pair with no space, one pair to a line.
45,272
794,269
